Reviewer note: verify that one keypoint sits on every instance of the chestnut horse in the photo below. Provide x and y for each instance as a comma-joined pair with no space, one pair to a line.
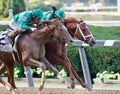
58,55
31,51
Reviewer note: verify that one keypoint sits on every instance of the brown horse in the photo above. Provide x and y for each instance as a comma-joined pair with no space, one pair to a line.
31,51
58,55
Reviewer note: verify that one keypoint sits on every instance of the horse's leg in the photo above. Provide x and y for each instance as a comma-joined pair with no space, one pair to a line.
73,74
8,86
79,79
54,70
2,68
2,81
10,71
5,84
32,62
68,68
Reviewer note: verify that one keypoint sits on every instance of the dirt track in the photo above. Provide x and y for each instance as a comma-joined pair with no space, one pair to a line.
59,91
56,87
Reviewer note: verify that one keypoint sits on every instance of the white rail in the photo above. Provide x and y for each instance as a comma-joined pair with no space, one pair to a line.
98,43
104,23
4,22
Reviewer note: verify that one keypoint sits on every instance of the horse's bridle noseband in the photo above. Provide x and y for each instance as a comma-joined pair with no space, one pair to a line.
84,36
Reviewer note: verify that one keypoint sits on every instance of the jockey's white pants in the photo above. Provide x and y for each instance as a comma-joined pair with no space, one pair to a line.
14,25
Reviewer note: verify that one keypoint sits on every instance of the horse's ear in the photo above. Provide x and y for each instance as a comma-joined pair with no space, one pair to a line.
56,23
63,20
81,19
46,22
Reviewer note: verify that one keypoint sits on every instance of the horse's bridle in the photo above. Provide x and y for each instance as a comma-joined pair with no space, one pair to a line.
60,37
84,36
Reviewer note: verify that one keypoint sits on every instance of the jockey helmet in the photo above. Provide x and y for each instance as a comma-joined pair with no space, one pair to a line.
38,13
60,14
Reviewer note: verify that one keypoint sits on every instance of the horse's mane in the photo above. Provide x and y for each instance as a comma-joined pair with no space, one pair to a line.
70,20
44,23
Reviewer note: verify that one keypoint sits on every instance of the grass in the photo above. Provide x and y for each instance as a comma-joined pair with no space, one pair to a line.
105,33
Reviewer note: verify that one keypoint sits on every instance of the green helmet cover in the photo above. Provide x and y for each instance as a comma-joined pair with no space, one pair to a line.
38,13
60,14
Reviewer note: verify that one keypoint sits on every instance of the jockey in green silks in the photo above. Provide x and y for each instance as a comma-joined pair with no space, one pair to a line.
24,21
53,15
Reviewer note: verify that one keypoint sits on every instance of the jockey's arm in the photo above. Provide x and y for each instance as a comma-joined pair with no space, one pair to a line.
26,27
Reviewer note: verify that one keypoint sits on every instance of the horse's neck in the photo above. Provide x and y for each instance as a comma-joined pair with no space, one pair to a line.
71,32
71,26
41,36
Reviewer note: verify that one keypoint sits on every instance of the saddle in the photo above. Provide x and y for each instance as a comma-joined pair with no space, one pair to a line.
7,46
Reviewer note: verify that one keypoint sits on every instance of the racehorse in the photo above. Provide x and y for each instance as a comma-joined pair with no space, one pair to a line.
31,52
58,56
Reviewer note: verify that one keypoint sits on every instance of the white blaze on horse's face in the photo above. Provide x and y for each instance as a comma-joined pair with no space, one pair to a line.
87,36
62,33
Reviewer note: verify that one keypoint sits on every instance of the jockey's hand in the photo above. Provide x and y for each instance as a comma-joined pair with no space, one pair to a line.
34,29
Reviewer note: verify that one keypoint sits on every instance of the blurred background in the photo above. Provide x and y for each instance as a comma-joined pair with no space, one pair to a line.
95,10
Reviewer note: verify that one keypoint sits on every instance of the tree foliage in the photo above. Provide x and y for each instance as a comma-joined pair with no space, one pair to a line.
41,4
16,5
4,7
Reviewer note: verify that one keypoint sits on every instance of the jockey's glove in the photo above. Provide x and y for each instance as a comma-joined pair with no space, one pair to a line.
33,29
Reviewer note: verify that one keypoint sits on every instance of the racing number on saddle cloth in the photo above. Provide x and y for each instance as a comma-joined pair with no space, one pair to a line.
5,46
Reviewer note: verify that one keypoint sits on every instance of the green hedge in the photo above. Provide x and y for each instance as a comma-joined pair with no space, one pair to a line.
99,58
3,27
103,58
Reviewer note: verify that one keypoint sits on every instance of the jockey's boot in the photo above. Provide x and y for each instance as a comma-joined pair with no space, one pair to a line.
11,35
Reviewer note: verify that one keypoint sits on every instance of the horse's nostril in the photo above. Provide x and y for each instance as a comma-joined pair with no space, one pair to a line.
94,42
71,40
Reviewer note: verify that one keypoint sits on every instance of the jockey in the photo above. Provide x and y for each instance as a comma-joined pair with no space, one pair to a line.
53,15
24,21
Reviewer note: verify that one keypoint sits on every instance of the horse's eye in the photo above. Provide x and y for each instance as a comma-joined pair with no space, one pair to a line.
83,30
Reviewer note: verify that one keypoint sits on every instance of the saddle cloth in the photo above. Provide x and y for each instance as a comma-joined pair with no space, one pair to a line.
5,45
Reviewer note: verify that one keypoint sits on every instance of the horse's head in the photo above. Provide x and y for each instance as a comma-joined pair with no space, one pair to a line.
58,30
80,30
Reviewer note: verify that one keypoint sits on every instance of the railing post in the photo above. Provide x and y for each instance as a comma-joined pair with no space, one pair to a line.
29,76
10,13
85,68
118,6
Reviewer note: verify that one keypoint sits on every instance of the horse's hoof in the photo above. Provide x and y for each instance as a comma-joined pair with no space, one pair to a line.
16,91
63,81
72,86
85,86
41,87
